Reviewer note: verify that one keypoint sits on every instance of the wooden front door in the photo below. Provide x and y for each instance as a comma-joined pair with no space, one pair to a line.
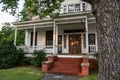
75,44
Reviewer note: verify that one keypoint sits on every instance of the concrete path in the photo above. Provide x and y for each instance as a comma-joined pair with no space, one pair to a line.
59,77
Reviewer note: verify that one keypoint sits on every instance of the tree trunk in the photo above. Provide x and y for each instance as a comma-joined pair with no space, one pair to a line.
107,13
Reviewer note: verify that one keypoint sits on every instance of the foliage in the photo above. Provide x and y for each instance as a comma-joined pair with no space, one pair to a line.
9,55
39,57
90,77
30,9
7,33
9,6
21,73
20,37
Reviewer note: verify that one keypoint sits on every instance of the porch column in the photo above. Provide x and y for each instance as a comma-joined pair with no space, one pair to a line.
34,30
56,43
86,25
26,37
15,37
54,38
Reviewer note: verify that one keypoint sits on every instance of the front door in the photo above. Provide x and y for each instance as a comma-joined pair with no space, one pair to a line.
75,44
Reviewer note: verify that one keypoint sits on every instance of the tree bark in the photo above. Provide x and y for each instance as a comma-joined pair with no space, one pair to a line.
107,13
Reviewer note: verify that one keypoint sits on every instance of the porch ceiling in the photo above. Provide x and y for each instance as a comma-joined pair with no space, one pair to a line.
63,19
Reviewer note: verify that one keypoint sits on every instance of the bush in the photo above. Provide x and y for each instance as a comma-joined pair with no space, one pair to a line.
27,61
39,57
9,55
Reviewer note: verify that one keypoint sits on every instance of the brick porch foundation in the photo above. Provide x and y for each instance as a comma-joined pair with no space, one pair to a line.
69,66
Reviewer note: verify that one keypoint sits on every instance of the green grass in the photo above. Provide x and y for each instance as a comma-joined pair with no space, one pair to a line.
90,77
21,73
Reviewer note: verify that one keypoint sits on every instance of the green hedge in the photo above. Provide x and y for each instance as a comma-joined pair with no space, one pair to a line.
39,57
9,55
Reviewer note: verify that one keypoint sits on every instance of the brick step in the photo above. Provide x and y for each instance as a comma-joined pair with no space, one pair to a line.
66,68
69,62
68,72
71,65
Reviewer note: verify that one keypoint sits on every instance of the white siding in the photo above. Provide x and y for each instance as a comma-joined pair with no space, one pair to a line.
71,2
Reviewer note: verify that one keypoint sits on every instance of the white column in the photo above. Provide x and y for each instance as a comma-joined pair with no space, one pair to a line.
96,42
81,6
15,37
34,30
26,38
56,42
86,25
54,38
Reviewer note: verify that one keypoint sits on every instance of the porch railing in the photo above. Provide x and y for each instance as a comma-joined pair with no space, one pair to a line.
29,49
92,48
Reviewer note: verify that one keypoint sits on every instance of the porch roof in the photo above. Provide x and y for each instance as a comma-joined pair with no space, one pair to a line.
62,19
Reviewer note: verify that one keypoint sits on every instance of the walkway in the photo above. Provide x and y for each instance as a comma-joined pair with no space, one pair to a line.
59,77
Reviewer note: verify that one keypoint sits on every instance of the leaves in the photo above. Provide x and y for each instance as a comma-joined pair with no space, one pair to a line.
10,6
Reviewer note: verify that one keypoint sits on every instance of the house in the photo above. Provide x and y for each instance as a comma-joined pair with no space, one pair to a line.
70,38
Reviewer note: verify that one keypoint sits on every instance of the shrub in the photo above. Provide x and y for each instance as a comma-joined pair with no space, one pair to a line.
39,57
9,55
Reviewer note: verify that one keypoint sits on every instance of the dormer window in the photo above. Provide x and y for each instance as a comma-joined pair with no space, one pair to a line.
77,7
70,8
65,9
84,7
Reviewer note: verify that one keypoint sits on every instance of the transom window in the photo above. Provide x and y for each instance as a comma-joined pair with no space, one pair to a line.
49,38
91,39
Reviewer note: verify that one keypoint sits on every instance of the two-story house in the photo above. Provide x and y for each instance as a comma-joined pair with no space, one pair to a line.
71,35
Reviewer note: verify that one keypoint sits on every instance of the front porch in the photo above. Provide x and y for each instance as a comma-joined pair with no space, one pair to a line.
66,35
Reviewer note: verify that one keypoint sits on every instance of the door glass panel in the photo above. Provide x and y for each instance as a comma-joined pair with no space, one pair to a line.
59,44
74,44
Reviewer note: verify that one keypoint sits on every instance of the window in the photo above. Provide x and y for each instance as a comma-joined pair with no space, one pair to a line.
65,41
31,42
77,7
84,37
65,9
91,39
84,7
70,8
59,43
49,38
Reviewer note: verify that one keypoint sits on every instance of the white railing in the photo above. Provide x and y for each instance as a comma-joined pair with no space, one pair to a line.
30,49
92,48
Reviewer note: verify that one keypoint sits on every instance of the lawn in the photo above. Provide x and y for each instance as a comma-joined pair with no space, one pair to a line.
21,73
90,77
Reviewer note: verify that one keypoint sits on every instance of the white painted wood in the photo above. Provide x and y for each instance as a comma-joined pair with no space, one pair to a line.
86,25
54,38
56,42
34,31
26,38
15,38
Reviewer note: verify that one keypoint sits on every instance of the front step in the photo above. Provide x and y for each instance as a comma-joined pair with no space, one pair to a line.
71,66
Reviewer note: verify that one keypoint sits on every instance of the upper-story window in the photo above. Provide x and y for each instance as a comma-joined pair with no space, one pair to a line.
84,6
70,8
65,9
77,7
